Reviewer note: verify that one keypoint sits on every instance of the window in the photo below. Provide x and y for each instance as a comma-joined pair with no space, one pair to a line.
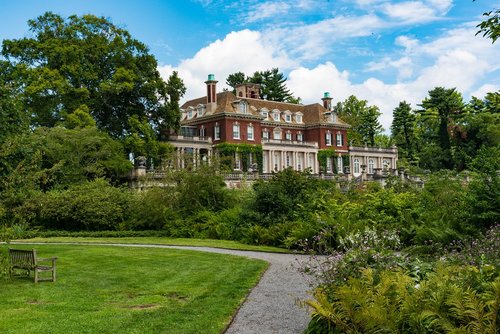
250,132
189,114
276,161
202,131
243,107
200,111
339,139
236,131
328,138
370,166
298,118
311,160
288,135
265,134
276,116
339,165
277,135
288,118
237,161
356,166
328,165
299,137
299,162
216,132
288,159
265,114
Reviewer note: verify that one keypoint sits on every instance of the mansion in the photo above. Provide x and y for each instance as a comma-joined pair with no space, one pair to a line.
267,136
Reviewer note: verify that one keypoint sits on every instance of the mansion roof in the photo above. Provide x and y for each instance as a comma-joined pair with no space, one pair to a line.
229,103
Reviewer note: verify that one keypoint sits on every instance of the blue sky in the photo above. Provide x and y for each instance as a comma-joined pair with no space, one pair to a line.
383,51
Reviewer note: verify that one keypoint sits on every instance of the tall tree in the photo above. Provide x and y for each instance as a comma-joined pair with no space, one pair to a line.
234,79
370,126
362,118
87,61
448,104
13,120
403,130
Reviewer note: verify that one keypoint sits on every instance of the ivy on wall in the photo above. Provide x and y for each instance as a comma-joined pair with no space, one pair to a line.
323,155
228,150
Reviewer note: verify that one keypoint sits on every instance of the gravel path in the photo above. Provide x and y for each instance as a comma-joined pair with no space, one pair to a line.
272,307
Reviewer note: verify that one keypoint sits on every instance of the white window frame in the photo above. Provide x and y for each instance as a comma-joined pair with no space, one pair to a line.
371,166
200,111
288,135
277,135
339,139
243,108
276,116
265,134
250,134
356,166
298,118
189,114
340,164
300,137
288,118
216,131
202,131
328,138
328,165
237,161
236,131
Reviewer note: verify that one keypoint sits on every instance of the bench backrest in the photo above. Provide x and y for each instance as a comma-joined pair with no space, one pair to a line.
21,257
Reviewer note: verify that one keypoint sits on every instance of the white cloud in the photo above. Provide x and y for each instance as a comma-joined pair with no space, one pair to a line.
458,59
480,93
409,12
243,51
266,10
442,6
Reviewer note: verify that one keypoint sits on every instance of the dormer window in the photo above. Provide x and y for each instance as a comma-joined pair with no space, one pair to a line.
276,115
243,107
298,118
288,118
190,114
264,113
200,110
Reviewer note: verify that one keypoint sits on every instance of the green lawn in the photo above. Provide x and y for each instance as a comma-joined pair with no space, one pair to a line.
165,241
103,289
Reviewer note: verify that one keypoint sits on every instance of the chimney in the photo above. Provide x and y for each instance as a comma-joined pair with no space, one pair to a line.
327,101
211,93
211,89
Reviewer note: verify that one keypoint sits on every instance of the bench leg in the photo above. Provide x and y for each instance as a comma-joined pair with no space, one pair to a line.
36,276
54,274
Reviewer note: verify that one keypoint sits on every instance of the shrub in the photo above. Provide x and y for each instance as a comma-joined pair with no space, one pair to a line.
392,301
93,205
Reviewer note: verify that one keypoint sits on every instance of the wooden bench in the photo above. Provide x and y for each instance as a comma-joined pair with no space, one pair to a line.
26,260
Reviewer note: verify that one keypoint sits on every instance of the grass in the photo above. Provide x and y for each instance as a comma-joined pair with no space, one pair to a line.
103,289
164,241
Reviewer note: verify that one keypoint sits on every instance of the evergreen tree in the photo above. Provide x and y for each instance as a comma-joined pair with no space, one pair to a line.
403,130
446,104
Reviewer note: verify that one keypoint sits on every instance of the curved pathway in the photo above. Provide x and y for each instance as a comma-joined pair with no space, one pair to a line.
273,305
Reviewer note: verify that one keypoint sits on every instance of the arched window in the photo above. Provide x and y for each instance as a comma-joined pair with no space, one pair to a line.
356,166
371,165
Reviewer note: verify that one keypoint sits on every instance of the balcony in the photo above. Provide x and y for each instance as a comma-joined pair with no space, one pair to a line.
289,142
197,139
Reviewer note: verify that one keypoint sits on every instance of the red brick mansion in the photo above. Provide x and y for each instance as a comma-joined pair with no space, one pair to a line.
267,136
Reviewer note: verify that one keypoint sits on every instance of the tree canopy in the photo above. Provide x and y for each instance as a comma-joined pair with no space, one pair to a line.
87,62
272,85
